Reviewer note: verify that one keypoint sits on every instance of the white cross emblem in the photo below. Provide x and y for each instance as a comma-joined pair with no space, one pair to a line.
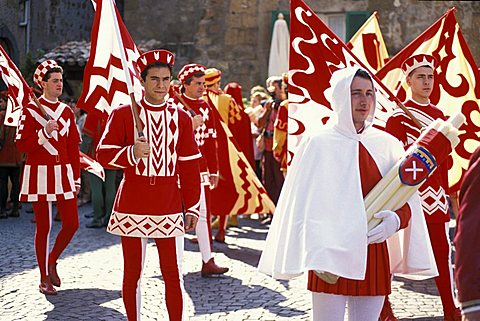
414,170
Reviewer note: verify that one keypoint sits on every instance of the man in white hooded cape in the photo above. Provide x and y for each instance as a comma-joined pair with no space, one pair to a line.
320,224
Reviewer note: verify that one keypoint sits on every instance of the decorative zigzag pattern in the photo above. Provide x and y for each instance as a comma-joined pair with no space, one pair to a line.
161,130
154,226
434,200
156,138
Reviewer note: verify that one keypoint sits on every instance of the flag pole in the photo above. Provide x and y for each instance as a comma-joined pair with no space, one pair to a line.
131,92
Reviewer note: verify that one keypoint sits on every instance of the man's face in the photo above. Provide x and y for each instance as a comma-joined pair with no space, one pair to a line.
420,81
254,101
53,87
217,87
278,90
156,84
196,87
362,97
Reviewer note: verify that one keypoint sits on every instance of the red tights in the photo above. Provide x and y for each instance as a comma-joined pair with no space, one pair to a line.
170,251
43,215
441,251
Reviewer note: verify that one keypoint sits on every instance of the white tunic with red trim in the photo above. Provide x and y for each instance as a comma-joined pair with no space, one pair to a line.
434,190
149,199
52,167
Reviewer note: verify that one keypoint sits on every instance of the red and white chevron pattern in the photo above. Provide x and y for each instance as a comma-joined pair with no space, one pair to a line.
154,226
434,200
161,131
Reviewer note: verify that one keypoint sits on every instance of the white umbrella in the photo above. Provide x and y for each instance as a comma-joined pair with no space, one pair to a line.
279,49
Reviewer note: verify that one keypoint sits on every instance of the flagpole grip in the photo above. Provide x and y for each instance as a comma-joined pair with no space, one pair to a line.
409,114
182,101
39,105
136,117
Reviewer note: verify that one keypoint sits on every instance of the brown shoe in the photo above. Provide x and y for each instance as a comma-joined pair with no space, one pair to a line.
52,273
210,268
46,287
387,313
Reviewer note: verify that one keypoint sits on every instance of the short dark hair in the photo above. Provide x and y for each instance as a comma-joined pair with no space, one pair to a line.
363,74
188,81
51,71
155,65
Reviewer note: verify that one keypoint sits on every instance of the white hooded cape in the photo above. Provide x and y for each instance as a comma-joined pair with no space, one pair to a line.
320,220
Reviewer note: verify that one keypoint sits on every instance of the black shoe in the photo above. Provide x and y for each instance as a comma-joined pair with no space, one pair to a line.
3,214
88,215
94,225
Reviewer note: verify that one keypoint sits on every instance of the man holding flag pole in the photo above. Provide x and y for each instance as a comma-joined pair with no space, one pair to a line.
49,137
159,160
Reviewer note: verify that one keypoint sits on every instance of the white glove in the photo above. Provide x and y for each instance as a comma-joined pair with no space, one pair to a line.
389,225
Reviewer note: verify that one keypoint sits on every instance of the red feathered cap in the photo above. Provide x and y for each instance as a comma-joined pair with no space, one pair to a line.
150,57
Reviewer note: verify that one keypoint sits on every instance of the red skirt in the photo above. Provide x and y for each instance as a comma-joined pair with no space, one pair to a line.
377,277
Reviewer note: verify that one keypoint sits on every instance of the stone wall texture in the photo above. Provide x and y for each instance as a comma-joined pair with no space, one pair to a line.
232,35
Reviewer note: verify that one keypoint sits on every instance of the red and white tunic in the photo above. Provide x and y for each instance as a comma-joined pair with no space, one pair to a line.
205,136
52,167
149,198
434,190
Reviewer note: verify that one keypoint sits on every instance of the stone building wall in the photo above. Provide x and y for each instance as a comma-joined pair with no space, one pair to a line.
401,21
232,35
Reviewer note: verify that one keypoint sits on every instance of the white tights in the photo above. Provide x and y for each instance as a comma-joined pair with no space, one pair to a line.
202,229
331,307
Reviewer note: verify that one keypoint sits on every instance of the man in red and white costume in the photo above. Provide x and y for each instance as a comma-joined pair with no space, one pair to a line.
320,225
52,169
192,77
160,173
419,72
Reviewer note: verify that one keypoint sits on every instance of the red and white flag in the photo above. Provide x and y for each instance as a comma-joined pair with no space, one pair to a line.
92,166
456,85
368,44
105,81
315,54
18,89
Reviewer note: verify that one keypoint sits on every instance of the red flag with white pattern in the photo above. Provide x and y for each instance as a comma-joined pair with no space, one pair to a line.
456,86
315,54
92,166
18,89
104,81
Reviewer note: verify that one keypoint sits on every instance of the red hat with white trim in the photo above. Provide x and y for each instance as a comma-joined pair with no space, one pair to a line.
417,61
42,70
153,56
189,70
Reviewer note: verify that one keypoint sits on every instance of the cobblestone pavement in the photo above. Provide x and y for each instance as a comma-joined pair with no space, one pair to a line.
91,271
